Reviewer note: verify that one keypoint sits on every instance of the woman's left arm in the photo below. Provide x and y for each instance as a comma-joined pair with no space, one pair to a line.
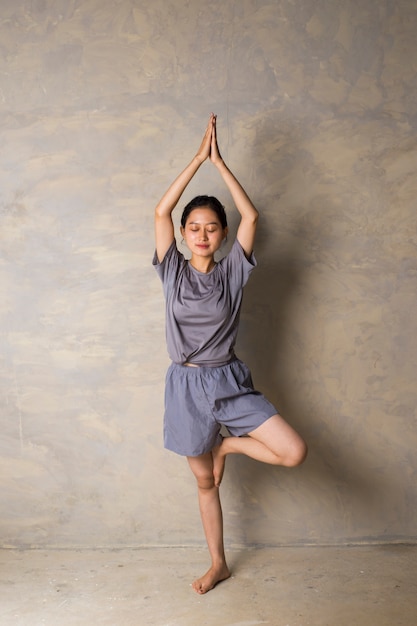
248,213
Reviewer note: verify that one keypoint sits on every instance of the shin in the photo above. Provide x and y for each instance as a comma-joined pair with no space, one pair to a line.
212,520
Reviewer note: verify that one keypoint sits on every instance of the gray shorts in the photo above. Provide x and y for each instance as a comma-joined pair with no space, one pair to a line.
199,400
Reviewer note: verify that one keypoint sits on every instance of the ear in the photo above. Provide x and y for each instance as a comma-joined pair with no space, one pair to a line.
182,231
226,232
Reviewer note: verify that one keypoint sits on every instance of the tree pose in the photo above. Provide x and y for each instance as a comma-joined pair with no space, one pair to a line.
207,386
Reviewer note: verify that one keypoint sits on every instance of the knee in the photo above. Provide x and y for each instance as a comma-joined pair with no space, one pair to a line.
205,482
297,455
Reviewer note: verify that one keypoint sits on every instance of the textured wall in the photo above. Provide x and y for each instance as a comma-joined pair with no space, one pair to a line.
101,104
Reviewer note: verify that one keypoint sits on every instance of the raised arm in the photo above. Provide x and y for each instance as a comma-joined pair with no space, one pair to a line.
164,227
249,214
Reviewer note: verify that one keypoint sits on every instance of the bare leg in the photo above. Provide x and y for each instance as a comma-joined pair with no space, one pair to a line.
274,442
212,519
219,459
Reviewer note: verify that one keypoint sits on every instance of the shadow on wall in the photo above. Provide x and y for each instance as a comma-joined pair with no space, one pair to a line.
335,481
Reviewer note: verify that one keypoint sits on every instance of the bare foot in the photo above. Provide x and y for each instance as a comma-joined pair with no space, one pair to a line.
210,579
219,460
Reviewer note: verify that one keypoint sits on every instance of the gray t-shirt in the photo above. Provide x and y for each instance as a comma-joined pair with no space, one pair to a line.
202,310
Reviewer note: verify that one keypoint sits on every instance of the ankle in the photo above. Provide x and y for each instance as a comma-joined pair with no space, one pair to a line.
218,563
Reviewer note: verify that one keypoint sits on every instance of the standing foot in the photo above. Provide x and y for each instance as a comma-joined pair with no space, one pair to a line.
210,579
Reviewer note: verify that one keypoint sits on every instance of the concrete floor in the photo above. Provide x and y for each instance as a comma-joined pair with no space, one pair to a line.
352,586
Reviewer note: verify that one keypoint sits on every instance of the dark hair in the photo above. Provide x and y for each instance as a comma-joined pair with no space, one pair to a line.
205,201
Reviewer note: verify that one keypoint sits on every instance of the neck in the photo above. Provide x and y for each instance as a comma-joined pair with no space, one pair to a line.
203,265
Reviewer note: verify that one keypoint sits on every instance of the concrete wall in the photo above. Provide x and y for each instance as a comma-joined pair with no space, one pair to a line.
101,104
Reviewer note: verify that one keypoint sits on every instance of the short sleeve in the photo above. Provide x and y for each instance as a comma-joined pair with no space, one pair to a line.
168,268
238,266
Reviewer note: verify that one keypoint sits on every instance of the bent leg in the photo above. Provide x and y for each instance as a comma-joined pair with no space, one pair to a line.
274,442
282,440
212,519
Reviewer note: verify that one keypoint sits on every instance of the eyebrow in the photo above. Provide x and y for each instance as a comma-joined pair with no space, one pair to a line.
206,223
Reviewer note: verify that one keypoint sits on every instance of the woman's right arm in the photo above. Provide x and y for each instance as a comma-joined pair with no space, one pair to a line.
164,227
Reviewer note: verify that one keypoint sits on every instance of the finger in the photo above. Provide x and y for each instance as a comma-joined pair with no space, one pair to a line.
210,127
215,126
214,137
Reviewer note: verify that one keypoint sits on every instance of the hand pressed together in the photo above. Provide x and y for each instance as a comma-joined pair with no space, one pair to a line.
209,147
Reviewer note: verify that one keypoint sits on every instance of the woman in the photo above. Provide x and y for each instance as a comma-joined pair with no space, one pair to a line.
207,386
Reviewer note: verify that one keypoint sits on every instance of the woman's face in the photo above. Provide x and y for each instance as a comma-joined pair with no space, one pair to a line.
203,232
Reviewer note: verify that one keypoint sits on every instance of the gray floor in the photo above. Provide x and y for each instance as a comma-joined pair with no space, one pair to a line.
352,586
